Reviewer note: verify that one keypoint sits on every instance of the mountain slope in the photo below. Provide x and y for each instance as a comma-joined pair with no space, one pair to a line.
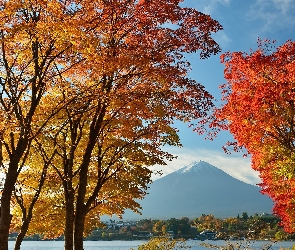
201,188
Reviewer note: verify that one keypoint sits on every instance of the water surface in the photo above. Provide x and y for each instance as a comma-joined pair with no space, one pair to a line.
127,245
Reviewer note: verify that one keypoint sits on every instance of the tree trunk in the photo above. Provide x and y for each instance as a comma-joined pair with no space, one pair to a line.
19,241
69,224
5,216
79,230
80,213
22,233
5,220
81,209
80,206
28,217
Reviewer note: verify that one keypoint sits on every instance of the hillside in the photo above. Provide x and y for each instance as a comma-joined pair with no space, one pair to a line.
201,188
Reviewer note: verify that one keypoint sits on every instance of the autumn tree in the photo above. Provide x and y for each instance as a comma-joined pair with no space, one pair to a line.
163,243
259,112
31,50
93,88
209,222
158,227
131,49
26,193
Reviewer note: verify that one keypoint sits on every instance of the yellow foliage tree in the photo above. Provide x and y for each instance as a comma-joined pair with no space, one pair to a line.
92,88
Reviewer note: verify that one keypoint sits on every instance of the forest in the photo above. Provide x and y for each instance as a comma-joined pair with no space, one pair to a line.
253,227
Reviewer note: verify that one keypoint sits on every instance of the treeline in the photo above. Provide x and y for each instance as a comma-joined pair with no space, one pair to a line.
256,227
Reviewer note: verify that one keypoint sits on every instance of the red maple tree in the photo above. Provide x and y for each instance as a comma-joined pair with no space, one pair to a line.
259,111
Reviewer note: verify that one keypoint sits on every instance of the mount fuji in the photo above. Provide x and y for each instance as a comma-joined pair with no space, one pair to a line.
197,189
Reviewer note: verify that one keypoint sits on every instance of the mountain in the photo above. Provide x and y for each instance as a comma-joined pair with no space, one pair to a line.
197,189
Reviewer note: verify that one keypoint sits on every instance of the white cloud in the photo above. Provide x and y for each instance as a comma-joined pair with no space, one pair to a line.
222,39
284,5
208,9
235,165
224,1
270,12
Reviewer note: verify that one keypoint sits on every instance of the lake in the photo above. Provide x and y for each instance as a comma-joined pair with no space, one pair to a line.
127,245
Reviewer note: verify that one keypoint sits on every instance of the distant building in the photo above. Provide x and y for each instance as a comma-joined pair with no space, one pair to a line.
143,235
207,235
170,234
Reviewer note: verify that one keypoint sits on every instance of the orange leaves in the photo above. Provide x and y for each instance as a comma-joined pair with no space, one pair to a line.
255,82
259,112
94,88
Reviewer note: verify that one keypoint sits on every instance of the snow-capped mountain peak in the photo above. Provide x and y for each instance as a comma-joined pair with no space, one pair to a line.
200,188
197,167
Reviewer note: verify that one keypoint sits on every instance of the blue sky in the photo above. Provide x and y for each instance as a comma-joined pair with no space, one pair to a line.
244,21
